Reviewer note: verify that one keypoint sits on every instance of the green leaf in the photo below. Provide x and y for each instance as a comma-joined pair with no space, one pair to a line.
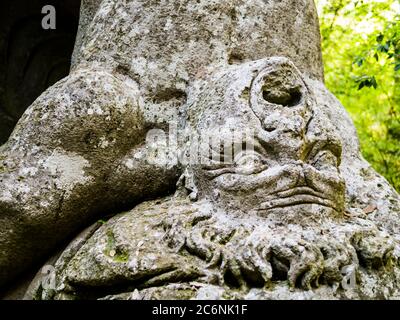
383,48
359,61
366,81
397,67
387,46
379,38
374,83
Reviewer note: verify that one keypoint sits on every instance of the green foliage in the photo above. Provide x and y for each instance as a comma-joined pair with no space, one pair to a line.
361,49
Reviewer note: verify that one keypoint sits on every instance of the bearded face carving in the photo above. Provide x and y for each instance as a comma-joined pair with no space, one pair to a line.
274,200
269,159
260,210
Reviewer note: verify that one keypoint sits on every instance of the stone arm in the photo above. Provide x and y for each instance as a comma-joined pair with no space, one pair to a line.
78,153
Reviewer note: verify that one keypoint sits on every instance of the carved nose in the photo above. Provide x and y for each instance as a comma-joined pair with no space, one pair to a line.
301,177
323,143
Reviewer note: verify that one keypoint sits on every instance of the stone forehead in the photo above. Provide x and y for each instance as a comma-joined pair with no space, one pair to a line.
180,37
230,93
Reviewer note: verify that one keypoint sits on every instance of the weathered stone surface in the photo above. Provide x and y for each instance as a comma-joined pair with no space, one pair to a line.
199,251
275,223
274,199
163,45
77,152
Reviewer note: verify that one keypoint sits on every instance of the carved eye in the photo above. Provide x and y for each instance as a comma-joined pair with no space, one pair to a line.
325,159
249,162
282,88
287,97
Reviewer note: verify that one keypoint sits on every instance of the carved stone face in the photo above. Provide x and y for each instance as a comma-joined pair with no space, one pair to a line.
79,151
265,156
268,222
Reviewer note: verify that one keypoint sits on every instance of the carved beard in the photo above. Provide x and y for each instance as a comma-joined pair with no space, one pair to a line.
246,252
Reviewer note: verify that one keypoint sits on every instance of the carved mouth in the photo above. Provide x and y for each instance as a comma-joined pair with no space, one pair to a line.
298,196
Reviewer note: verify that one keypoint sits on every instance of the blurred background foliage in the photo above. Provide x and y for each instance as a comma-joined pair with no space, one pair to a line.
361,49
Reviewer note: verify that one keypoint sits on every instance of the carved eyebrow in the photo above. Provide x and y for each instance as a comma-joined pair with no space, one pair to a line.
214,173
245,145
219,167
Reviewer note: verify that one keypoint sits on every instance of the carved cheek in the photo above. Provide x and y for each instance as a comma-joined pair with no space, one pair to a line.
285,121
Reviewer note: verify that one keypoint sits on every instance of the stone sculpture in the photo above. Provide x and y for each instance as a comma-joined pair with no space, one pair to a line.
272,200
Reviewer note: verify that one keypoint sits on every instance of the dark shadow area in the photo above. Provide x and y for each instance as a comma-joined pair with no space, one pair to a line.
32,58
